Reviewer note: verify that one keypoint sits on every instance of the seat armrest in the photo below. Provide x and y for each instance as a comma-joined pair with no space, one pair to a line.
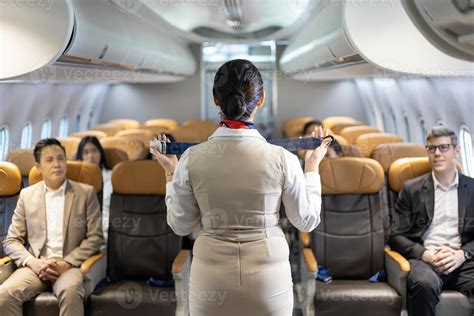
7,267
181,269
310,260
397,271
94,270
305,239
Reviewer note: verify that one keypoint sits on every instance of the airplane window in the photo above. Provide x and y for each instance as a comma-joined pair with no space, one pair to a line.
63,126
26,136
467,155
46,129
77,127
4,143
407,129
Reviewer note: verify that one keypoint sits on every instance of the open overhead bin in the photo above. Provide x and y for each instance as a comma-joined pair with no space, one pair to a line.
92,40
348,39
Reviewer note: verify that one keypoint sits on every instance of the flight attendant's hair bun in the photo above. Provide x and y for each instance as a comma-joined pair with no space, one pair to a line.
238,87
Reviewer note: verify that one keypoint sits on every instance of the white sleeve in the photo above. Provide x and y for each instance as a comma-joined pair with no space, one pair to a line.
183,210
301,195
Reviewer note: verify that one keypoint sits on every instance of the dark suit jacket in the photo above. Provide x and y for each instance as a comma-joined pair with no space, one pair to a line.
414,212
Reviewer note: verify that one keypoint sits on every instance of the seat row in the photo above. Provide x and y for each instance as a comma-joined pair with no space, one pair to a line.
143,268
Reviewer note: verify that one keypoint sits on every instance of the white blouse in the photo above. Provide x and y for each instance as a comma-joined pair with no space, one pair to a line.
301,193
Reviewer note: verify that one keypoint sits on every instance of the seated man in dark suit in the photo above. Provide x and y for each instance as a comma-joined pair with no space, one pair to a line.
434,227
60,220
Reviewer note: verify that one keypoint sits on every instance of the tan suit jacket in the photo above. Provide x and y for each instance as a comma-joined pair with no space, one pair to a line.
82,230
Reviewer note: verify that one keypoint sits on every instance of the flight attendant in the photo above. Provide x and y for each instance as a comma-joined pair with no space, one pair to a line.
232,186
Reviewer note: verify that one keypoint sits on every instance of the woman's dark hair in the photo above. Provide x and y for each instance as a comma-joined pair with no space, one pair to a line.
238,86
94,141
337,148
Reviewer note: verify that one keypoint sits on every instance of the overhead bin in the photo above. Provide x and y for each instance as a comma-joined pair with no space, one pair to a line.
347,39
115,41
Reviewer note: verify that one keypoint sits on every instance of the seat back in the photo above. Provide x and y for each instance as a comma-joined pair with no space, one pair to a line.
138,222
70,144
24,160
350,238
79,171
193,133
118,149
353,132
125,123
330,122
82,134
368,142
337,128
294,127
145,135
167,124
109,129
10,186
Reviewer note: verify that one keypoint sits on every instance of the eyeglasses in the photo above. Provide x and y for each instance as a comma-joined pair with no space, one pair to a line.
442,148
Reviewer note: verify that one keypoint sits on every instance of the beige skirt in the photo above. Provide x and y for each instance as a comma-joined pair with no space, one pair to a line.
240,278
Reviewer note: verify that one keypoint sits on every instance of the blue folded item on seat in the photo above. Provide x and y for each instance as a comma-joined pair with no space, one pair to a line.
379,276
323,274
160,283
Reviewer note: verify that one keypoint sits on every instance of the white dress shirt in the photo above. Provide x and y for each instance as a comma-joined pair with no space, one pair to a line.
54,201
106,195
444,228
301,195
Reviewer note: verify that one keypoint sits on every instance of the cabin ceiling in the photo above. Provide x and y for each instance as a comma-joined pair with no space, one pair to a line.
234,20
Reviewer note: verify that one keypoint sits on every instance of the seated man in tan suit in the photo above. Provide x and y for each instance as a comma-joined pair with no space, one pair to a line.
60,221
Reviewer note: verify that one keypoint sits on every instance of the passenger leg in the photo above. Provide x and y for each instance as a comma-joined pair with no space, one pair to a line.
69,290
424,287
23,285
463,281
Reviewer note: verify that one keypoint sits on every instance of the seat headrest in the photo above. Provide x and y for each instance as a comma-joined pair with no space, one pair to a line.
294,127
82,134
351,151
118,149
143,177
405,169
193,134
70,144
386,154
337,128
125,123
167,124
144,135
79,171
329,122
350,175
352,132
368,142
23,159
341,140
10,179
109,129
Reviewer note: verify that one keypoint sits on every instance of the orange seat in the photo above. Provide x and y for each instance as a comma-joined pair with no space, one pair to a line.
386,154
24,160
193,133
118,149
294,127
125,123
79,171
82,134
351,133
167,124
368,142
337,128
109,129
331,121
70,144
144,135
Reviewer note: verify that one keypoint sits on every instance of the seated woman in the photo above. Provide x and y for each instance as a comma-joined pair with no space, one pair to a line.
91,150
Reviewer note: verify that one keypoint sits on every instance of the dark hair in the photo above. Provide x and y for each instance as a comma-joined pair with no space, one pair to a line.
43,143
337,148
238,86
440,131
94,141
310,123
